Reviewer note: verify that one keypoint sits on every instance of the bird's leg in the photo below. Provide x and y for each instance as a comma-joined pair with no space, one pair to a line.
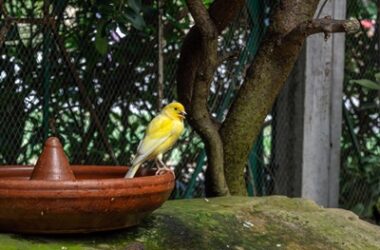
162,168
157,163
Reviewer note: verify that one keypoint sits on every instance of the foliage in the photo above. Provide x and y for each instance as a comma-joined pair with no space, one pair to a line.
112,45
113,48
367,83
360,161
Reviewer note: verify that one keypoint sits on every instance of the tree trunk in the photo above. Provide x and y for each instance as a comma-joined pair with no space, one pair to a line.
228,148
196,67
264,79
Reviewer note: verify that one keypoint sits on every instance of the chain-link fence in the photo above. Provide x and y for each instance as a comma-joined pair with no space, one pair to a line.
360,156
89,72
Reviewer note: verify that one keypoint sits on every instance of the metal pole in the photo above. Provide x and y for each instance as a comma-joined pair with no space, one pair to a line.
160,67
46,74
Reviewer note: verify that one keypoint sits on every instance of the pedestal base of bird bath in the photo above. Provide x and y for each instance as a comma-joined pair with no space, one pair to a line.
54,197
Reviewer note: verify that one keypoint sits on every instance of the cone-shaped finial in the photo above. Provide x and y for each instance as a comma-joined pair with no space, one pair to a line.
53,163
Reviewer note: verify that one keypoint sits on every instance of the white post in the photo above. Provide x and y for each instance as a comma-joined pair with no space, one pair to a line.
323,112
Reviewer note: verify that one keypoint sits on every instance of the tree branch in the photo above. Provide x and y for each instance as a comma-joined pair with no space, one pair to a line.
265,78
200,117
202,18
222,13
30,20
196,67
4,30
325,25
7,23
2,9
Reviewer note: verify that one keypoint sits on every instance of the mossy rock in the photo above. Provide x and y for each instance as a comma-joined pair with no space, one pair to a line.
224,223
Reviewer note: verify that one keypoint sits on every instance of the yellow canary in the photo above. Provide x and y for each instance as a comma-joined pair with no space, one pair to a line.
161,134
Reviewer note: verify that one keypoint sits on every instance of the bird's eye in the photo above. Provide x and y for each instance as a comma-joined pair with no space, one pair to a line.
175,109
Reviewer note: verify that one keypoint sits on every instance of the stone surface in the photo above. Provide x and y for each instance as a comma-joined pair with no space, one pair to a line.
224,223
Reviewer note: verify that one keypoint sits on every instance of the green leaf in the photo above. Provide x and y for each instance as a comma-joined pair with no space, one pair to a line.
207,2
371,9
135,5
358,208
101,44
136,19
377,77
367,83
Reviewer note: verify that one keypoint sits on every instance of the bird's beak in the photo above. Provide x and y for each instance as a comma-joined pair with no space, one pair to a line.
183,114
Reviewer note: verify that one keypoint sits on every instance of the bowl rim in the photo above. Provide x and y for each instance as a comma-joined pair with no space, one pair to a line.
89,184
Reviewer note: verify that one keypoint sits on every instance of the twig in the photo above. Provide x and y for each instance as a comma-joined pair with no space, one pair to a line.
2,9
4,30
325,25
9,21
45,20
7,24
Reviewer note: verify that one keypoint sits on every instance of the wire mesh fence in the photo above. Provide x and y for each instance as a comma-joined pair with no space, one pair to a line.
360,156
88,72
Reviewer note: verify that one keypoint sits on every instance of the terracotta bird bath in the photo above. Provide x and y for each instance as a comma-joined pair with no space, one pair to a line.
54,197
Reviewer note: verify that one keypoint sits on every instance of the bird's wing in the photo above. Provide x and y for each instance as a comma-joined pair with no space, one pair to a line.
158,131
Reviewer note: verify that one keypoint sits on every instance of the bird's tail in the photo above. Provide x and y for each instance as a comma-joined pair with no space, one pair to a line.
132,171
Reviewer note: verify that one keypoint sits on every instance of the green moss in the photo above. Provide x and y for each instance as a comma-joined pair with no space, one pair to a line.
224,223
13,242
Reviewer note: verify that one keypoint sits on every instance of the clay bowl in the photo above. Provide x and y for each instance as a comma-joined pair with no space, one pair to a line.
97,199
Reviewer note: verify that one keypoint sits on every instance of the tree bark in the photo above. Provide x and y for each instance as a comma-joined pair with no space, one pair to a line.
228,148
264,79
221,13
196,68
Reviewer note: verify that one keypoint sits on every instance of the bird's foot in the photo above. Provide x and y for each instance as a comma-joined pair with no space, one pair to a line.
163,170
